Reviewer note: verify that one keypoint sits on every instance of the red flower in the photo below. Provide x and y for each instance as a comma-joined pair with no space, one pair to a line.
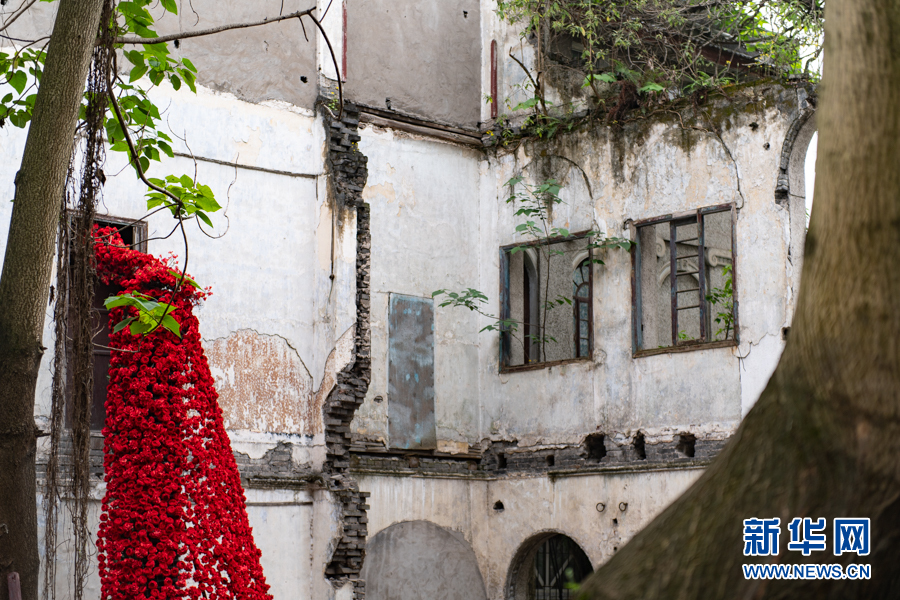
174,522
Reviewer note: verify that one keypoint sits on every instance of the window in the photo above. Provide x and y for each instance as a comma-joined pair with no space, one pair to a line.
135,236
547,297
684,281
558,564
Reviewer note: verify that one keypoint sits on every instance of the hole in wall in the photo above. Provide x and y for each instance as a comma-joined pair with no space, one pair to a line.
686,442
501,461
551,460
615,521
639,449
498,506
784,332
595,446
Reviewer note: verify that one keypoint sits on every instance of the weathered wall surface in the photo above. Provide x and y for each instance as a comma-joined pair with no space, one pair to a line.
421,195
280,323
418,559
646,169
424,57
567,505
271,62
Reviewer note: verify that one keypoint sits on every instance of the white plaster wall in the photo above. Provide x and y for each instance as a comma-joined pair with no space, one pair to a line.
421,195
437,223
270,274
532,505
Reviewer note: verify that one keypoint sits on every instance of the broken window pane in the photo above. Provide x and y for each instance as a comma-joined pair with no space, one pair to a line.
685,279
549,300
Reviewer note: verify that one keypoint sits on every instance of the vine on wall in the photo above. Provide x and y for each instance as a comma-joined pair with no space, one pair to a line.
174,521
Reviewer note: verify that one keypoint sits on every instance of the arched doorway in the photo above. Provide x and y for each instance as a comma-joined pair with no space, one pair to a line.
418,559
547,567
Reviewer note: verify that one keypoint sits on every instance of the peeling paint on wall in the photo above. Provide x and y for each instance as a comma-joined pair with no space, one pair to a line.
263,384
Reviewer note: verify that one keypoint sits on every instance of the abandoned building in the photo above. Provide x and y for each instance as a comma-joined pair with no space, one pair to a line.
390,448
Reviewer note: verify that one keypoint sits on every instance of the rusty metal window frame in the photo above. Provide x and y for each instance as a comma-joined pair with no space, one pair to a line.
506,337
693,217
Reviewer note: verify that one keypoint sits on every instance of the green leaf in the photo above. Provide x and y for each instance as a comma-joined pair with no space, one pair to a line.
204,218
19,80
171,324
208,204
189,79
139,327
122,324
652,87
176,82
189,64
137,73
170,6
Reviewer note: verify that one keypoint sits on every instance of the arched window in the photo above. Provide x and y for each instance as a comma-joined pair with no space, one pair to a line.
558,563
581,303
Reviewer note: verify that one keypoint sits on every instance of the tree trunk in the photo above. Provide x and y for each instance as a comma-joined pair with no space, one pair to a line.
824,438
25,281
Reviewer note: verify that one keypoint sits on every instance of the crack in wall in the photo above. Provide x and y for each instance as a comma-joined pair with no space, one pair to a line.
347,168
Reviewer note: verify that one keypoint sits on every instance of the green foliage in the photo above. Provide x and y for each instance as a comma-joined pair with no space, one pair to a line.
723,298
674,46
196,199
140,120
22,71
150,316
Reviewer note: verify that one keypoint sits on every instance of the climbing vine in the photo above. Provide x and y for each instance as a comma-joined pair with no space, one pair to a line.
625,54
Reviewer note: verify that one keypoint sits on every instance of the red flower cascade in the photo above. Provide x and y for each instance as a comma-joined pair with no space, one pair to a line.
174,521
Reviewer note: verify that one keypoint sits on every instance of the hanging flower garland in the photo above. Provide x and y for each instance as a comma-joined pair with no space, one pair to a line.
174,521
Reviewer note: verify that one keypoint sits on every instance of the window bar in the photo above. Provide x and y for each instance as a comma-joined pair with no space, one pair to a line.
673,278
590,299
701,268
637,311
504,308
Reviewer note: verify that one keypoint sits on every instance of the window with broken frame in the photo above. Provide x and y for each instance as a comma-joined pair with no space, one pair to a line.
546,301
684,281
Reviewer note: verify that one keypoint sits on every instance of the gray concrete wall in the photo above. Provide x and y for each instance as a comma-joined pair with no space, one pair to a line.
255,64
417,559
424,56
531,505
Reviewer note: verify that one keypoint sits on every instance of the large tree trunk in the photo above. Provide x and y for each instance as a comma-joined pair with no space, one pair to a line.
824,438
25,281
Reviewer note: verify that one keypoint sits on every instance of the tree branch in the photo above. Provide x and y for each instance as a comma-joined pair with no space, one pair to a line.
212,30
15,16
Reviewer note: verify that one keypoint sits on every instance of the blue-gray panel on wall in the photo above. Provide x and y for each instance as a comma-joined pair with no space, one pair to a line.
411,372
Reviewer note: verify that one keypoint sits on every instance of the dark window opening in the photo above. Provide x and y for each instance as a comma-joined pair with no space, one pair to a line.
640,450
501,461
685,280
595,444
133,235
581,295
551,460
686,443
558,564
547,302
